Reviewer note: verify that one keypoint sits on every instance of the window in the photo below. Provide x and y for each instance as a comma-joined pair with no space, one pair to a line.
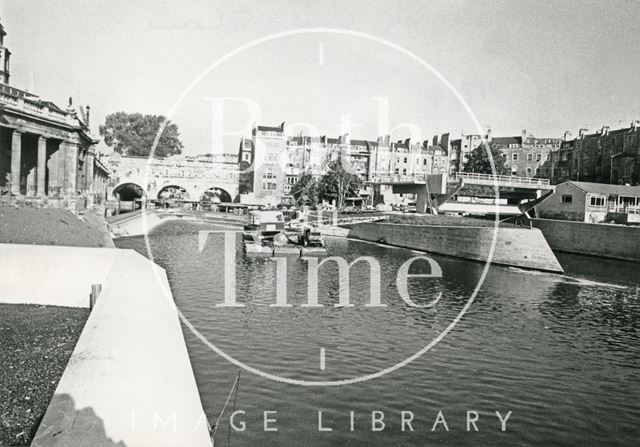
404,171
514,157
405,159
529,157
528,172
424,162
597,200
567,198
538,157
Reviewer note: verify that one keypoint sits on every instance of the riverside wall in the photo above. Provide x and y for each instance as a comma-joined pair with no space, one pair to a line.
129,381
518,247
603,240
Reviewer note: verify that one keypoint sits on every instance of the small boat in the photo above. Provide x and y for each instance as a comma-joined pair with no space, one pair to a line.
265,234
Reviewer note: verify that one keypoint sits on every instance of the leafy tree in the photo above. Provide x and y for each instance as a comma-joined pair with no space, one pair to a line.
478,161
134,134
305,191
338,183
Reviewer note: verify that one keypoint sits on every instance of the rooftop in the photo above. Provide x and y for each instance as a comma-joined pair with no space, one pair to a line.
506,140
606,189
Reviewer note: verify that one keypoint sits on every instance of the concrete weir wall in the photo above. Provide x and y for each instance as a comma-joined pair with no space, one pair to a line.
607,240
137,223
129,381
518,247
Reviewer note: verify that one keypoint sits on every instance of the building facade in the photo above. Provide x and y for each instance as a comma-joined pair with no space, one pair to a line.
271,163
45,151
460,149
606,156
526,155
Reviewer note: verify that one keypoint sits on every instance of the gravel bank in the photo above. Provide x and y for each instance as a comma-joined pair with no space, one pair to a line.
50,226
35,345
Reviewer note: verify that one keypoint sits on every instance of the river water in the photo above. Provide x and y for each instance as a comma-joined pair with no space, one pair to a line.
560,352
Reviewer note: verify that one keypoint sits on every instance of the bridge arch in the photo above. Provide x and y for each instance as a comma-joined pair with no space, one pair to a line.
128,191
216,194
173,192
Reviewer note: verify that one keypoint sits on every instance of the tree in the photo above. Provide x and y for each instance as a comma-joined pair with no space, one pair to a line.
305,191
338,183
134,134
478,161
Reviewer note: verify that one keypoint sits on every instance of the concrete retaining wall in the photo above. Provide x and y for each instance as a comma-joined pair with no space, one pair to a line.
519,247
611,241
129,381
61,276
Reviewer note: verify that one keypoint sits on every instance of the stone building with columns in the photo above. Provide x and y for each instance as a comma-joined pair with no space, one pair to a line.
45,151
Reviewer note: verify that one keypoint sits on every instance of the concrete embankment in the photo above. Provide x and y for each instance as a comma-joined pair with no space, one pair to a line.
518,247
138,223
129,381
603,240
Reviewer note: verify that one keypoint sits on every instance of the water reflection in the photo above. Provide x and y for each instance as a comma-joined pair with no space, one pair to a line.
559,351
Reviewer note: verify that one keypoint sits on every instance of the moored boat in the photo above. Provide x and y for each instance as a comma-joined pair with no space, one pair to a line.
265,234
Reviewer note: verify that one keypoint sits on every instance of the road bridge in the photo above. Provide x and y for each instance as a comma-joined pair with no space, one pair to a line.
435,190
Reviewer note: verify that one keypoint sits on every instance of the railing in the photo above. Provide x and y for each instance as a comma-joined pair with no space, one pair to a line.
503,179
623,208
414,178
8,99
342,221
34,106
470,177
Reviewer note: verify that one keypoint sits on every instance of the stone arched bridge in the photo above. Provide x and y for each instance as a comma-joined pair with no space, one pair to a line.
225,186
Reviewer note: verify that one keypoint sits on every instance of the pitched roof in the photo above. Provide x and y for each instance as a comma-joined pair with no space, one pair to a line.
606,189
506,140
270,128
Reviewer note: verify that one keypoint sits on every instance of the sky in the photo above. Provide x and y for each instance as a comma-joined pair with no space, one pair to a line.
545,66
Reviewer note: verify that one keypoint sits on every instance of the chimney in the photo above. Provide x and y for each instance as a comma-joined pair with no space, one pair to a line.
634,125
582,132
489,135
566,136
407,142
435,140
524,133
604,130
88,116
384,140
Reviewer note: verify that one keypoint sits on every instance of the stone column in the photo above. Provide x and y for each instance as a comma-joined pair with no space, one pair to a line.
41,170
72,168
16,156
62,166
89,161
54,183
67,167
